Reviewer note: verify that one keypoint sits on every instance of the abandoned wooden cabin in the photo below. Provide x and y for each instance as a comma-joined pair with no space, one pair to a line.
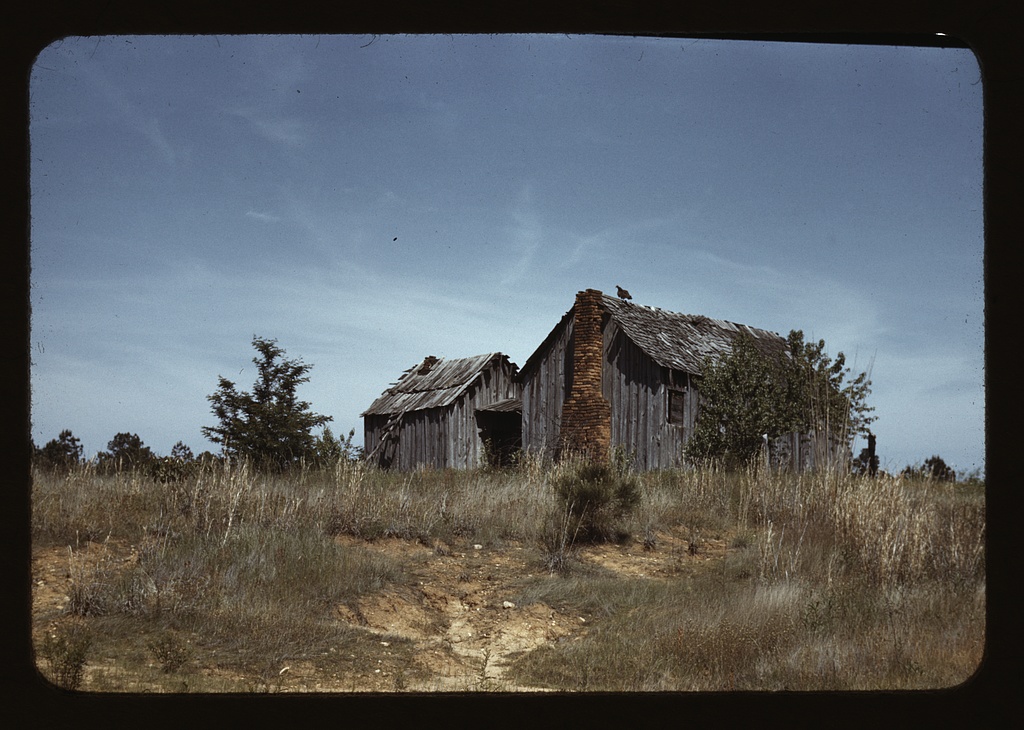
617,375
611,376
446,413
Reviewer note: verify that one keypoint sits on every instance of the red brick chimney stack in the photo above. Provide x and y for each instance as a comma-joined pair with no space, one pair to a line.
586,414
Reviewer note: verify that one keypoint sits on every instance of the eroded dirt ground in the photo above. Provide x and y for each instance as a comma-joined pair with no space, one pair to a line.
455,625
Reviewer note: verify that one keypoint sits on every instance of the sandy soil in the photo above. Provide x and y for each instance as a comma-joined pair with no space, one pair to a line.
454,626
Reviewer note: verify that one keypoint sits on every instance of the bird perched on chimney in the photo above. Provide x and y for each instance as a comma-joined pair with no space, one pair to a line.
623,294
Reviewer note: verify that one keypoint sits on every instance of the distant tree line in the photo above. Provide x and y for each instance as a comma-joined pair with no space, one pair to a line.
268,427
127,452
933,468
745,395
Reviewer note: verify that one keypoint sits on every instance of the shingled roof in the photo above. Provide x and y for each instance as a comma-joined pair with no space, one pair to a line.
683,341
433,383
673,340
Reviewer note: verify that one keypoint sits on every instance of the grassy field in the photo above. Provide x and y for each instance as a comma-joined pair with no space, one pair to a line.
230,580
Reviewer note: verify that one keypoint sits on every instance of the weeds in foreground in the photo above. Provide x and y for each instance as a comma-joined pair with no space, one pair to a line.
65,649
170,650
830,581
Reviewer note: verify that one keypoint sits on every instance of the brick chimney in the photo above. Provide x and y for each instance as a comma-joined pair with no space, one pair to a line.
586,414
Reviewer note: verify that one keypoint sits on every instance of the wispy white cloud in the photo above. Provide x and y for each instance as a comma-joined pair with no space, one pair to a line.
279,129
131,113
286,131
473,269
260,216
824,308
149,127
525,235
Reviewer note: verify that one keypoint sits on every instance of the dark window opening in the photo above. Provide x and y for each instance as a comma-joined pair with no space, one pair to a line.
677,407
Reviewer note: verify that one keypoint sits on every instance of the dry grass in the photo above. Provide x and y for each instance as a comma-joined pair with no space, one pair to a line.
830,582
834,582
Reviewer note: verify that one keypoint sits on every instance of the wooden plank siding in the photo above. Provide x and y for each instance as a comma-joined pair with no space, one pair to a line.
650,364
800,452
545,389
446,436
638,389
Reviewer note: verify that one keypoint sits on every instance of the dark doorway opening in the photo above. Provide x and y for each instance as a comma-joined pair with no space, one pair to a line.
502,434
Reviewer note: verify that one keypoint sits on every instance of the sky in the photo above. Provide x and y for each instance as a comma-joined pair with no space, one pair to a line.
371,200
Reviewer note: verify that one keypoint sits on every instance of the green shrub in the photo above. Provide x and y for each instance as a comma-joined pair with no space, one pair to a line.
596,499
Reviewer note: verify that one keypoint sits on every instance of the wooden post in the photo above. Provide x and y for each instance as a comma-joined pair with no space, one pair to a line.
872,459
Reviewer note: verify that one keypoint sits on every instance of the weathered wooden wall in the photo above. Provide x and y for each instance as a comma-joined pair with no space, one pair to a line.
445,437
546,385
638,389
801,452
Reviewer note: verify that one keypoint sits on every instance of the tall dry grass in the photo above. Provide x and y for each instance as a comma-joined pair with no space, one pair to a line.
832,581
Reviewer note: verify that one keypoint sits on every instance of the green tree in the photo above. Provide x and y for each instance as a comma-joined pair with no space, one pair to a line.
742,397
820,394
181,452
270,425
329,449
936,468
125,451
748,394
62,452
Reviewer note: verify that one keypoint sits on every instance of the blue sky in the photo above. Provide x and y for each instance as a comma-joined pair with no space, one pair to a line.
368,201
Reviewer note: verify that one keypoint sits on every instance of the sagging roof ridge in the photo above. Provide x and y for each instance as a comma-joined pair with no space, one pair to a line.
443,382
663,347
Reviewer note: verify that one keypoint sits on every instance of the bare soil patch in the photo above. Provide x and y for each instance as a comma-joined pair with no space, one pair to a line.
454,625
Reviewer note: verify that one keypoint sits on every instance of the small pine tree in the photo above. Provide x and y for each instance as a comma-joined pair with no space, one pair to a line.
181,452
125,451
270,425
63,452
596,498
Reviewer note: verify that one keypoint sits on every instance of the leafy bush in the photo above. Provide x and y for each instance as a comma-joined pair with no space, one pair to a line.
749,394
596,498
328,449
